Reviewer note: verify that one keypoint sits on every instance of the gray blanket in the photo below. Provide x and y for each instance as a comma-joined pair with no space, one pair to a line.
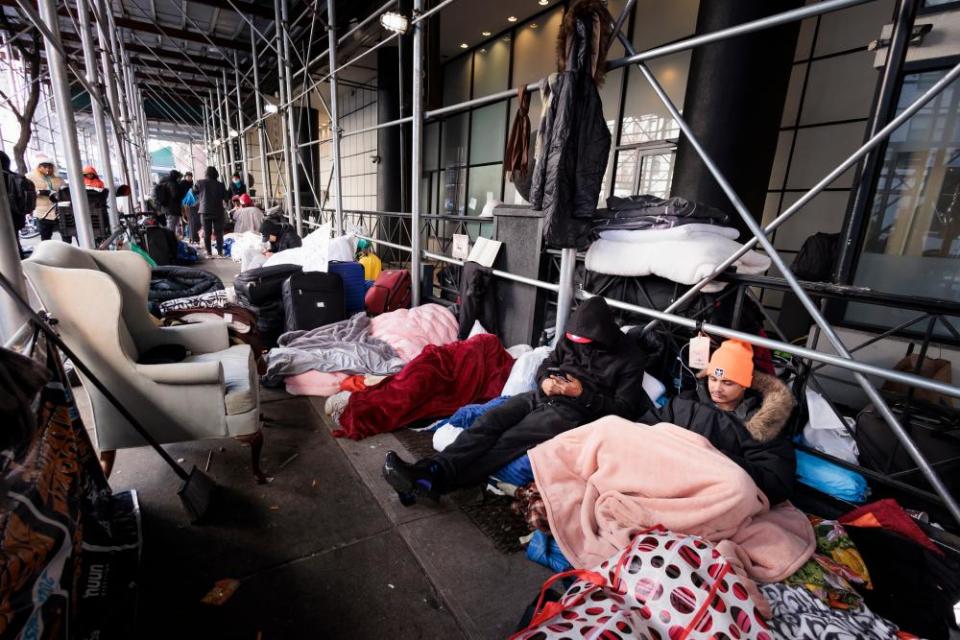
342,347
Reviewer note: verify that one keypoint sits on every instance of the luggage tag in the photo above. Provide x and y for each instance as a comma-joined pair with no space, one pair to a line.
699,352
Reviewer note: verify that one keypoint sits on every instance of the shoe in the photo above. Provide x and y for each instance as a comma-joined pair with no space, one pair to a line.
410,481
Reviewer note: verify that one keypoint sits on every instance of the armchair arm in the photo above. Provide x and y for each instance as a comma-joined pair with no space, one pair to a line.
197,337
192,373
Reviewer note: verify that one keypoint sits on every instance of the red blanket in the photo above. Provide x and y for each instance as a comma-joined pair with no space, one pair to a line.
433,385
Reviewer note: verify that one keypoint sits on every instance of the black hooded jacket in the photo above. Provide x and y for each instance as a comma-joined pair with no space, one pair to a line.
610,369
750,435
287,237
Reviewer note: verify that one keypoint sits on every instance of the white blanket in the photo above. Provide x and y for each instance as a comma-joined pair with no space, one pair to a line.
678,254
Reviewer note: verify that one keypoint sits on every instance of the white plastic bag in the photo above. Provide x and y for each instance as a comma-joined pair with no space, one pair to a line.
445,436
825,432
342,248
312,255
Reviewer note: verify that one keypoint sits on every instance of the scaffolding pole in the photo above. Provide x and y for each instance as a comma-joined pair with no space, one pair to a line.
11,316
282,67
335,117
68,131
258,104
244,170
99,122
292,131
231,148
416,152
105,39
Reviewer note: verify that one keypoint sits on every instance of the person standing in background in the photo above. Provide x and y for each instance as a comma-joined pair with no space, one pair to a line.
192,206
44,177
21,194
90,178
211,199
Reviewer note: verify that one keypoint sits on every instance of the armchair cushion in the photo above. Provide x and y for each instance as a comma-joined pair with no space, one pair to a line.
239,376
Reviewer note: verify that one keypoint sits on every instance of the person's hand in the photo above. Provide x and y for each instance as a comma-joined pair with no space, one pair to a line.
550,386
570,386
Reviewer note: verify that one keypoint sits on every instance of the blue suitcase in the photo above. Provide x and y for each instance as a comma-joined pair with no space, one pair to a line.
354,286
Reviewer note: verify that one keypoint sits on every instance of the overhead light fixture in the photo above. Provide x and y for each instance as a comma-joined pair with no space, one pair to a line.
271,108
543,3
534,25
485,33
512,19
464,45
396,22
234,133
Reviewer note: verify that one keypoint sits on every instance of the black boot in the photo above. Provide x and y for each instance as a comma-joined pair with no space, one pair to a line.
411,481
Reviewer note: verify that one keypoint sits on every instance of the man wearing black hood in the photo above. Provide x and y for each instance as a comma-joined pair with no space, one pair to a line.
279,234
168,195
594,371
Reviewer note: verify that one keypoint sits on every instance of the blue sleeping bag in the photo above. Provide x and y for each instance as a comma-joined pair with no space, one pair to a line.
543,549
831,479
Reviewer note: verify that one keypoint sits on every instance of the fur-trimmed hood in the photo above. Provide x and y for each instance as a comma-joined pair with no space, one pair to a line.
764,410
596,31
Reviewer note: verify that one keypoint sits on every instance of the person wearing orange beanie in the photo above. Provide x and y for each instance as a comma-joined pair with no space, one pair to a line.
730,374
743,413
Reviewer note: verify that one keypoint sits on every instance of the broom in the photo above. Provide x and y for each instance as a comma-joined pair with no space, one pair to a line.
196,492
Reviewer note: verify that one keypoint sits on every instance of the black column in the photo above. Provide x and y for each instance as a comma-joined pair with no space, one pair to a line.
734,103
307,124
388,138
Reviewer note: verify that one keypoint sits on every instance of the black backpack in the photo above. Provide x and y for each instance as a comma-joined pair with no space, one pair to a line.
161,195
22,195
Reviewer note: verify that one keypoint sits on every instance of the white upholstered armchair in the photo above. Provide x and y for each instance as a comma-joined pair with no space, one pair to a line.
99,300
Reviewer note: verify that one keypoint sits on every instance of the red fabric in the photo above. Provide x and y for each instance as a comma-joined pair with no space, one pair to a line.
763,357
352,384
888,514
433,385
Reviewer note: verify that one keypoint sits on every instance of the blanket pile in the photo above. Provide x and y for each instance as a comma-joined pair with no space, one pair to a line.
684,254
433,385
408,331
606,481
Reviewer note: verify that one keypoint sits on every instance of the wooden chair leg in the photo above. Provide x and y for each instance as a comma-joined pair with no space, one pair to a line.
255,440
107,458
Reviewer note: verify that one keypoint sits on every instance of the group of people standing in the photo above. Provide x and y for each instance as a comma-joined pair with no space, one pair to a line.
203,204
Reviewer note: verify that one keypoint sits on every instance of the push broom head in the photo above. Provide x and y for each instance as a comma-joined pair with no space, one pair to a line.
196,494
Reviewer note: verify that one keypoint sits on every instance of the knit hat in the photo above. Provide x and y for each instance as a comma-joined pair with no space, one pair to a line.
42,159
89,169
733,361
246,200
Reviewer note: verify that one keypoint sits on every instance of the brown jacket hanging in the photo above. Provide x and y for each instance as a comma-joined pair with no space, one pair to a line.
516,159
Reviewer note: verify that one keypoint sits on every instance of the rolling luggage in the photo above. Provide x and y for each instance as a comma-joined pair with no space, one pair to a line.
354,286
390,291
264,285
312,299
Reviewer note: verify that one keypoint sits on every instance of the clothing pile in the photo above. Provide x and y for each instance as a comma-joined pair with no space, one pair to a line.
643,212
358,345
169,283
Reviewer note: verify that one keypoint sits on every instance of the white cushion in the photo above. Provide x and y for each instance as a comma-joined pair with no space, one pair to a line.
239,376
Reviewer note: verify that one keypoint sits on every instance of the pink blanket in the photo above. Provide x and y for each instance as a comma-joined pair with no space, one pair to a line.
408,331
314,383
605,481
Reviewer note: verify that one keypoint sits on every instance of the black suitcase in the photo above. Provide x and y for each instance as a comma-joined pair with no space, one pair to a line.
313,299
264,285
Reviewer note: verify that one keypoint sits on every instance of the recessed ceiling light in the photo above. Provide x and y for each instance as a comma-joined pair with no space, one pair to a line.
534,25
512,19
543,3
485,33
464,45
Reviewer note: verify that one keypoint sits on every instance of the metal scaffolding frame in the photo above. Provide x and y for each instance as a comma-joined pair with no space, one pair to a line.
126,113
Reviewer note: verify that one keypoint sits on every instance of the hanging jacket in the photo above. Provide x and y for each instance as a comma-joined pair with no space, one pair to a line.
478,299
576,141
750,435
610,369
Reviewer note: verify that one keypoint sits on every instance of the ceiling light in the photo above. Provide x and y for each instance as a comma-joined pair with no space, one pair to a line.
464,45
512,19
234,133
485,33
271,108
396,22
543,3
534,25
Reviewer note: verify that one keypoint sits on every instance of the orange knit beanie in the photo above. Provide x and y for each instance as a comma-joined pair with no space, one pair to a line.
733,361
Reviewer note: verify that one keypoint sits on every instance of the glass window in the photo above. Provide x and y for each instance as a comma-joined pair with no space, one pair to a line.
912,241
628,164
491,68
645,118
456,80
488,128
656,173
453,190
454,151
484,185
431,146
534,48
662,22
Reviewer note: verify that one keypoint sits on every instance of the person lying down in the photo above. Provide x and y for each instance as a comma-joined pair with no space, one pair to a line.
596,371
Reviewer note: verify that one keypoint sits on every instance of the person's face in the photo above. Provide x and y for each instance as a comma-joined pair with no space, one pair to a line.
272,238
726,394
46,169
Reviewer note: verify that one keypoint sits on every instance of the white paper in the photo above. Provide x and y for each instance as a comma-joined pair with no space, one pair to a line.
485,251
699,352
461,246
473,203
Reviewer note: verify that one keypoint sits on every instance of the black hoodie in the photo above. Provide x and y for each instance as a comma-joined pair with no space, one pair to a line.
610,368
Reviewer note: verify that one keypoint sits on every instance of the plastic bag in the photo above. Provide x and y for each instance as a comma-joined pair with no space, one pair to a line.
831,479
825,432
189,200
523,376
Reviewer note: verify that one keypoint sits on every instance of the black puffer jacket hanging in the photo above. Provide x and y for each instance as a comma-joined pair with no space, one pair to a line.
576,140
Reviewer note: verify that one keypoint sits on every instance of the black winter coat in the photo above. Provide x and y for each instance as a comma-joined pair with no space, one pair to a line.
211,195
750,435
286,239
575,141
610,369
